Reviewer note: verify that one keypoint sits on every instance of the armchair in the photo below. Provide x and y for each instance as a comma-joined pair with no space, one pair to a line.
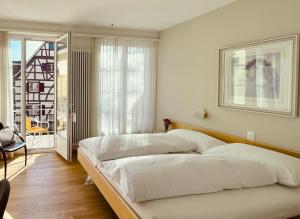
12,147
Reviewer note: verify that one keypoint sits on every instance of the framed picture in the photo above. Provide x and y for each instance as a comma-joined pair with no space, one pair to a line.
260,76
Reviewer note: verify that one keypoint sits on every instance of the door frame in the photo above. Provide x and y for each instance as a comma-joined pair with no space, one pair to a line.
69,96
24,38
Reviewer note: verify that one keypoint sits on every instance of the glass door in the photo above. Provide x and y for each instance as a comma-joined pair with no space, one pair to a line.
63,110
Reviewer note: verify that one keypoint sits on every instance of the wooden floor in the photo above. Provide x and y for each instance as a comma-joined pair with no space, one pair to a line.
49,188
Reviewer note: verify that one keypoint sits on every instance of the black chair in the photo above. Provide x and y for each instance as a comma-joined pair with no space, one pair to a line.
12,148
4,195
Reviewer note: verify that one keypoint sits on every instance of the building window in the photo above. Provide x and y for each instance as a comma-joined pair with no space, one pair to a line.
50,67
33,87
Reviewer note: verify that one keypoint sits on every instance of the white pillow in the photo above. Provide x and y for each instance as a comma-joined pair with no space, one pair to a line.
203,141
286,167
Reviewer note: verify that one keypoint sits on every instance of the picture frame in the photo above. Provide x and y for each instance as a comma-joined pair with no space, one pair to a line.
261,76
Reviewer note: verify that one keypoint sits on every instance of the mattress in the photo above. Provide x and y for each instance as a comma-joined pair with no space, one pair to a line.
268,202
87,146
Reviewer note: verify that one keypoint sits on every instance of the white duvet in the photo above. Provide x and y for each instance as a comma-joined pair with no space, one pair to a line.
159,176
120,146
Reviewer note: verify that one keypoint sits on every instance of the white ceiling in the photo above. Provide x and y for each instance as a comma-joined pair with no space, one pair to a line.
136,14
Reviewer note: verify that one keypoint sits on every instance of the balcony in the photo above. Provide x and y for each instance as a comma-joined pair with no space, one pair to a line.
40,142
39,126
36,89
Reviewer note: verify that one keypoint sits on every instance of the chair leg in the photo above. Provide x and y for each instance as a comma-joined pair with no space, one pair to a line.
33,139
5,163
25,148
48,138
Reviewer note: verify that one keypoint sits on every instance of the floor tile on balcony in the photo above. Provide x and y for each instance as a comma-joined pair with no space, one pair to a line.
40,141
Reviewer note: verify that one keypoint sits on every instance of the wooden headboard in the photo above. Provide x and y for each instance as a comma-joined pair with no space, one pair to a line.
234,139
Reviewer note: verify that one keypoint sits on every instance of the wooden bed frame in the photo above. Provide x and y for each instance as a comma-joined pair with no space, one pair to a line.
118,203
112,196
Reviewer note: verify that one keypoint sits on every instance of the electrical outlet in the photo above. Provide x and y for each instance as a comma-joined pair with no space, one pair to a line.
250,136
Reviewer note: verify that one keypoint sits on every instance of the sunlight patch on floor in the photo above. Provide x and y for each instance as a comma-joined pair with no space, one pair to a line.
16,165
7,215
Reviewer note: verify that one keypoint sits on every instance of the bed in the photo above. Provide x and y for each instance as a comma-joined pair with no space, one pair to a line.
273,201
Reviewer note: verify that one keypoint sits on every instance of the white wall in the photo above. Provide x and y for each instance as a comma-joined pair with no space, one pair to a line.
188,68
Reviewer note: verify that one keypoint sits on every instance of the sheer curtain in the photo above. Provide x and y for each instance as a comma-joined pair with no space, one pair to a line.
5,100
126,72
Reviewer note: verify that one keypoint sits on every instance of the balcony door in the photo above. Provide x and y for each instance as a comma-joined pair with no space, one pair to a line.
31,83
40,91
63,115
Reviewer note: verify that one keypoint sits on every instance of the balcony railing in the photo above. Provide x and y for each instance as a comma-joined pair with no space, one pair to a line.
40,114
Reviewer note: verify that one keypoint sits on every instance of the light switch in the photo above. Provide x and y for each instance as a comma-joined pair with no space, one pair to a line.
250,136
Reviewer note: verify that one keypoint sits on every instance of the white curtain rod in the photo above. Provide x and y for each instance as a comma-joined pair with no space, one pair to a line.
114,36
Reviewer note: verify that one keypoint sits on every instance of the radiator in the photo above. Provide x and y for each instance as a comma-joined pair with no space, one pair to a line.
81,71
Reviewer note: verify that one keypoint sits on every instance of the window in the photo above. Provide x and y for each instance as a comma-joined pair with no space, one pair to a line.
50,67
33,87
127,76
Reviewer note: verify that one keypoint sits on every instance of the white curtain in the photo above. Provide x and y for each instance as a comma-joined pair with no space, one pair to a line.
126,70
5,100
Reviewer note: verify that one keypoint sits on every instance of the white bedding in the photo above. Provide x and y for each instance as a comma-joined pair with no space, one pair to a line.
105,148
88,147
287,168
160,176
268,202
202,141
120,146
